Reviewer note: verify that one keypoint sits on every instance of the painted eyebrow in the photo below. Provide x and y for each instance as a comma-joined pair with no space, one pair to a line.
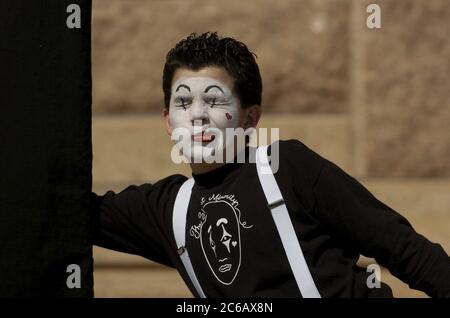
212,86
183,85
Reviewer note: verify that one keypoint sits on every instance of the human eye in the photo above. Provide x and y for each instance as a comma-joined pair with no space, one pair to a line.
182,102
214,101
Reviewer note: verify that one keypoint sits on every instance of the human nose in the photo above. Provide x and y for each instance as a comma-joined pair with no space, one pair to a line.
198,111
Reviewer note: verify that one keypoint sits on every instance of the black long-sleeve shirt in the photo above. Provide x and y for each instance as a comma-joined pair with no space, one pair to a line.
235,248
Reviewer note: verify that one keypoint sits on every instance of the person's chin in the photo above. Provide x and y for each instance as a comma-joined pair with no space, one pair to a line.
202,154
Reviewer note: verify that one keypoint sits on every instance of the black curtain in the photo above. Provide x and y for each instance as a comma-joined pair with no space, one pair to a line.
45,149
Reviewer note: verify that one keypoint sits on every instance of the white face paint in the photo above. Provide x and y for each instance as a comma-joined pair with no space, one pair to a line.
204,107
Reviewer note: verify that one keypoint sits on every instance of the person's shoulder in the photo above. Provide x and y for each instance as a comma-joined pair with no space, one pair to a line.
298,159
166,185
296,151
296,155
173,179
297,147
158,195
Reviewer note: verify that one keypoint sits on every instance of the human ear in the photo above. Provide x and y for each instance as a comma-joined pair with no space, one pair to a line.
166,119
251,116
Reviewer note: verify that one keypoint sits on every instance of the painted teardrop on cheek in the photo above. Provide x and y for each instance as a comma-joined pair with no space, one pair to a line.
229,117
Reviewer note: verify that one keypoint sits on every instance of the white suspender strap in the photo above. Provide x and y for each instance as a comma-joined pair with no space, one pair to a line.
284,226
179,229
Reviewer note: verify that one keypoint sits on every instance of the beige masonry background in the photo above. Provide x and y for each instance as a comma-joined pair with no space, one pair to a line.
375,102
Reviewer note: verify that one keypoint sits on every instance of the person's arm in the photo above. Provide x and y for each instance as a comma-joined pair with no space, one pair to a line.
132,221
378,231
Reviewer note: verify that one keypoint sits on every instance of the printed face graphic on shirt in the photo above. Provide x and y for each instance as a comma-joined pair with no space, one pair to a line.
220,240
204,107
219,233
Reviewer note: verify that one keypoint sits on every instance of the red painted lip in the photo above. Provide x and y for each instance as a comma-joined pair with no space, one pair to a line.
203,137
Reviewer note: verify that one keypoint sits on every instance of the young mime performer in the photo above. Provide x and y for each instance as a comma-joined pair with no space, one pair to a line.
252,229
